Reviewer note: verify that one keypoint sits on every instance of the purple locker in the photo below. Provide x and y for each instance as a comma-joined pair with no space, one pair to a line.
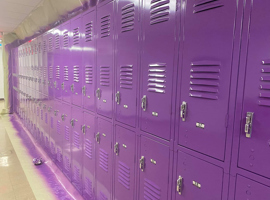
66,138
66,69
89,156
124,170
40,64
254,135
157,67
205,85
45,125
197,179
57,58
76,61
89,60
76,147
154,170
53,127
45,65
104,92
50,63
251,190
127,61
103,159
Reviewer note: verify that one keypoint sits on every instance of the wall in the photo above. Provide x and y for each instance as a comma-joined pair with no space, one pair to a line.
1,76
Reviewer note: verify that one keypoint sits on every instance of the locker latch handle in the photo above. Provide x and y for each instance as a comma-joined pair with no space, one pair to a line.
83,90
63,86
142,163
248,125
63,117
83,129
72,122
183,112
56,112
98,137
179,185
49,109
98,93
144,99
116,148
72,88
117,97
55,84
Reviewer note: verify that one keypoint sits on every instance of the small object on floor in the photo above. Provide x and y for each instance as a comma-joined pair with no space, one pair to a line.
37,161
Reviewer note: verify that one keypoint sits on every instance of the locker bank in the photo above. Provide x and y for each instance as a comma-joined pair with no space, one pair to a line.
136,100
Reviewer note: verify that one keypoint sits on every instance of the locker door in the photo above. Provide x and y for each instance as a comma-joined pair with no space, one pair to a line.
154,170
76,147
251,190
50,64
66,138
127,59
124,150
104,76
46,126
57,64
197,179
58,135
89,60
104,159
45,65
89,156
206,71
50,123
254,144
157,66
66,67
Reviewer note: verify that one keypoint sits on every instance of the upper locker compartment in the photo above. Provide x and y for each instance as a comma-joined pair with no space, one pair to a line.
57,63
157,66
104,91
206,71
76,61
50,63
89,60
127,60
254,135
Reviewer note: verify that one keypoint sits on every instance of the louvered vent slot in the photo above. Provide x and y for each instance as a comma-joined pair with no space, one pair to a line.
65,39
126,76
89,32
128,18
105,76
205,5
204,79
59,155
76,73
44,47
105,26
44,73
151,190
76,173
88,149
88,186
76,36
76,139
65,73
52,148
57,72
159,11
67,164
67,133
51,72
57,41
264,95
157,78
58,127
124,175
50,44
103,160
88,74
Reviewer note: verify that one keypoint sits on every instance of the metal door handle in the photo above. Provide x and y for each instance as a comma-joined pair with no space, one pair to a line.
83,129
248,125
83,90
142,163
98,137
179,185
55,84
72,122
183,111
98,93
144,99
116,148
56,112
63,86
63,117
72,88
117,97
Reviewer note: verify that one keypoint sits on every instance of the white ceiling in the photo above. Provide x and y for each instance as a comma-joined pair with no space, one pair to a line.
13,12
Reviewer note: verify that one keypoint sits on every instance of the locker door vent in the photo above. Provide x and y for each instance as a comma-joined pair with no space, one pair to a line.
264,95
59,155
105,76
89,32
67,164
65,73
51,122
124,175
126,77
88,186
157,78
105,26
67,133
50,44
88,149
76,173
57,72
52,148
76,36
76,73
205,5
128,17
58,127
103,160
44,47
159,11
204,79
151,190
57,41
51,72
76,139
65,39
88,74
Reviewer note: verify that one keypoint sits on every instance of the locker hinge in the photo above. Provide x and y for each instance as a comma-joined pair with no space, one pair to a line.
117,97
179,185
72,122
72,88
248,125
183,112
144,99
63,86
98,93
116,148
98,137
83,90
142,163
83,129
